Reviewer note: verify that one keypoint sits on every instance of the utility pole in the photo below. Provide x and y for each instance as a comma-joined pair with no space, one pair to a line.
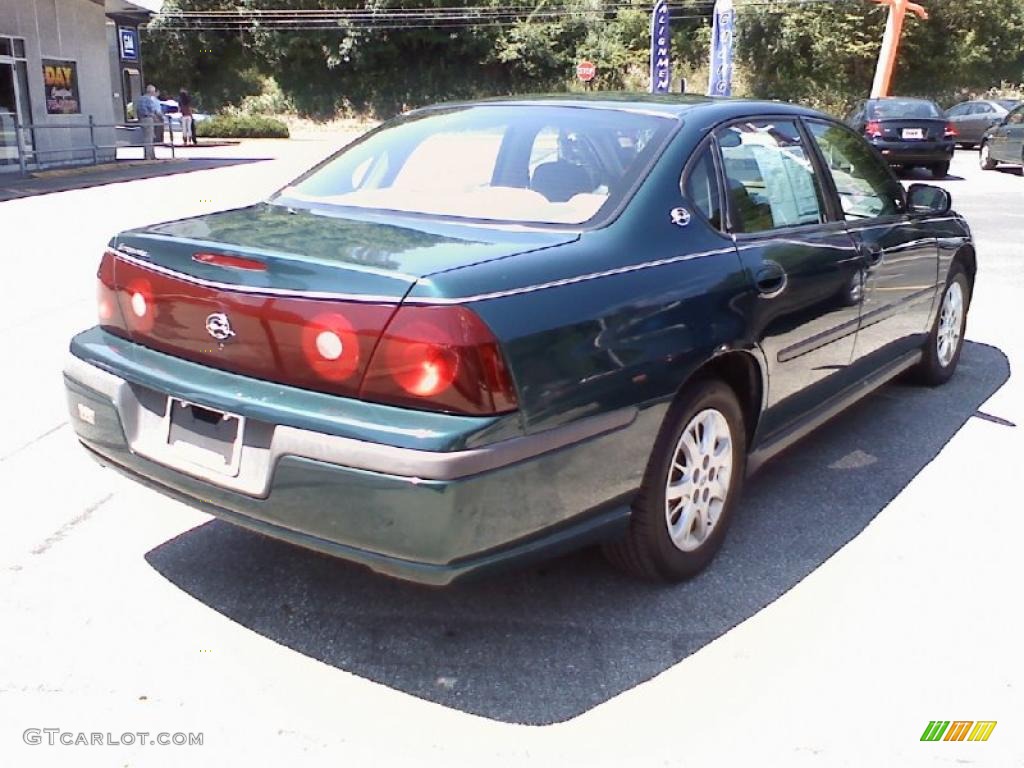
891,42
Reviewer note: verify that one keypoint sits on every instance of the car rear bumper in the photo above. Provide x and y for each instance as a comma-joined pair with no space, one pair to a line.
918,153
425,515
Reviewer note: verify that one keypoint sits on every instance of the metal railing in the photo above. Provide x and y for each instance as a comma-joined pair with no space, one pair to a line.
89,153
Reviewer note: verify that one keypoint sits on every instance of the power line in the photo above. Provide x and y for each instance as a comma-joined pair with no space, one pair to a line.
397,19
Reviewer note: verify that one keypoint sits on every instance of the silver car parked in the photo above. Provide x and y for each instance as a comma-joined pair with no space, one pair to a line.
972,118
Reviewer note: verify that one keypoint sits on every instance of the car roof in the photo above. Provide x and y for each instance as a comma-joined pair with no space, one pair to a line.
667,105
901,98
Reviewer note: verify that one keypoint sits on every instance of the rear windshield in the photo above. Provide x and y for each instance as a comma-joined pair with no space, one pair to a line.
902,108
1008,104
506,163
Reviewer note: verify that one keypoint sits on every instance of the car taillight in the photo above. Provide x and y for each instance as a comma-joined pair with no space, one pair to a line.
138,304
440,358
950,131
330,346
873,129
434,358
107,308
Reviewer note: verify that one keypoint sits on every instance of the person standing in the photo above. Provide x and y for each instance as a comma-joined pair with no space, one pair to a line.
185,107
148,111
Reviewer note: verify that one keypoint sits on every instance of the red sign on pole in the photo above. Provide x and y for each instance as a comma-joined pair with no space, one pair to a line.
586,70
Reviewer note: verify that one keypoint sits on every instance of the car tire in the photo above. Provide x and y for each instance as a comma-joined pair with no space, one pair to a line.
702,439
939,170
985,157
946,339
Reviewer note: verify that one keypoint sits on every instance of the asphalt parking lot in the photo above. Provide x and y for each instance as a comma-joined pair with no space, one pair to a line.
870,583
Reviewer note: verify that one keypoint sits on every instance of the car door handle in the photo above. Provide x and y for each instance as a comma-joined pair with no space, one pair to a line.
770,280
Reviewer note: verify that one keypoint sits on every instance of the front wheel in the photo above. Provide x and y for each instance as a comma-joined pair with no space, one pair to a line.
985,158
942,350
692,483
940,170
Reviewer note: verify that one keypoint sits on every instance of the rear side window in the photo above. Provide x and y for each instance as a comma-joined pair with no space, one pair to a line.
902,109
864,183
701,188
770,180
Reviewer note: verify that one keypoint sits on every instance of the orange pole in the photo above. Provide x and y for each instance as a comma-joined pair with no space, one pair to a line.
891,43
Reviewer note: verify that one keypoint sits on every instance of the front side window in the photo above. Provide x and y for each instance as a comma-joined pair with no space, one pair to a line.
701,188
864,183
959,109
506,163
770,180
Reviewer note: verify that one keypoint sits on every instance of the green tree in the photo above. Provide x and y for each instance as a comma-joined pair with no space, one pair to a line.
217,67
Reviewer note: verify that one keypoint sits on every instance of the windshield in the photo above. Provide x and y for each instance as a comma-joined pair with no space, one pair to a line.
507,163
902,108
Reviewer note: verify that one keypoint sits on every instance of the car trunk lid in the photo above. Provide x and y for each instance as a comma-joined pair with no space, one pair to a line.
912,129
284,295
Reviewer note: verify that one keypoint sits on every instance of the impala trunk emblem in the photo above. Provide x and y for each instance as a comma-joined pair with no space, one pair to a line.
218,326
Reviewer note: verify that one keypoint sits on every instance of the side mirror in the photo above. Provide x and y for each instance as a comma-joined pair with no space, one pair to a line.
924,198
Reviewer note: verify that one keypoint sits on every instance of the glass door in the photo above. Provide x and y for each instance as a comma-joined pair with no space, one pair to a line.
8,114
14,100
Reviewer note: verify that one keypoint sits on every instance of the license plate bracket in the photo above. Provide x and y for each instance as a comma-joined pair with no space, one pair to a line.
203,436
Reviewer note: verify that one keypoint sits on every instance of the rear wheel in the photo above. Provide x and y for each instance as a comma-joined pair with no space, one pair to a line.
940,170
985,157
942,350
691,485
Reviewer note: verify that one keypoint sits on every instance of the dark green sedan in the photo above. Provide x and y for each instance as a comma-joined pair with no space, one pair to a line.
489,332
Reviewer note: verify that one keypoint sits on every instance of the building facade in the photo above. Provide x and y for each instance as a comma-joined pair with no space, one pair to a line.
64,64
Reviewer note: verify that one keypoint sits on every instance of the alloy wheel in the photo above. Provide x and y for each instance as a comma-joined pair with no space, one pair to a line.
698,479
951,317
983,156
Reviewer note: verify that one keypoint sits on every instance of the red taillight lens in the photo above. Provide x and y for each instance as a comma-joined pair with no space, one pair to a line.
950,131
138,305
435,358
106,294
331,346
440,358
873,129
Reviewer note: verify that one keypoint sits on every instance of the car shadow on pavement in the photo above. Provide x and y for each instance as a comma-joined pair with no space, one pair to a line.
924,176
544,644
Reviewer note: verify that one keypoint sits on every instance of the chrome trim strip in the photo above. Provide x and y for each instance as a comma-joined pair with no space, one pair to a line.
249,289
898,224
568,280
418,299
266,253
257,463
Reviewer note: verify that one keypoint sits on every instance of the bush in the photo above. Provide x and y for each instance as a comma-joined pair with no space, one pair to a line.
242,127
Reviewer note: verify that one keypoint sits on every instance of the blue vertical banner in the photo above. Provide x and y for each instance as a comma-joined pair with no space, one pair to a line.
722,41
661,59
